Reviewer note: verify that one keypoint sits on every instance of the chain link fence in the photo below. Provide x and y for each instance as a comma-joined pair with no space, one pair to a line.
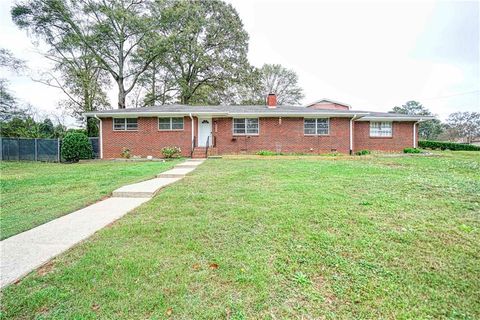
27,149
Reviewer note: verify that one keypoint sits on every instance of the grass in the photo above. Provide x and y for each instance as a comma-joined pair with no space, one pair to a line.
362,237
33,193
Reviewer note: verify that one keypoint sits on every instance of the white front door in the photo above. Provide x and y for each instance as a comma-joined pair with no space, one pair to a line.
204,131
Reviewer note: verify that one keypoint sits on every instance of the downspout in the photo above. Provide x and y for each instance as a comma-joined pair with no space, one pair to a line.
100,135
351,133
415,132
193,134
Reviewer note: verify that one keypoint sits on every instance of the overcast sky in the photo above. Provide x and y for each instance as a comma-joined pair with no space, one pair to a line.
372,55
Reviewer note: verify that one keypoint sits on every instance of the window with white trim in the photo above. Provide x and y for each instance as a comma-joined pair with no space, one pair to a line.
125,124
170,123
380,129
320,126
245,126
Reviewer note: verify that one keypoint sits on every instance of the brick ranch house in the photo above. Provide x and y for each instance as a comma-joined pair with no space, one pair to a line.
321,127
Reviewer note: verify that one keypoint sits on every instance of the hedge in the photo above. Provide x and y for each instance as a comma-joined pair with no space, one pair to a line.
426,144
76,146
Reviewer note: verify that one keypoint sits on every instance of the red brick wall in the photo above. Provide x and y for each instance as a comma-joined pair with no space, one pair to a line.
147,141
326,105
286,136
402,137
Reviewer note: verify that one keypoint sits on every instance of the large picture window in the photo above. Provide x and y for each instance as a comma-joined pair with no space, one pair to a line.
125,124
245,126
319,126
380,129
170,123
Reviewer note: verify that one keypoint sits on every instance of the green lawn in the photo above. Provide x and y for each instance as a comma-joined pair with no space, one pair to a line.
280,237
33,193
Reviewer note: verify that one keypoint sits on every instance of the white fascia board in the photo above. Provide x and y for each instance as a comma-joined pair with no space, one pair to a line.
296,115
150,114
397,119
220,114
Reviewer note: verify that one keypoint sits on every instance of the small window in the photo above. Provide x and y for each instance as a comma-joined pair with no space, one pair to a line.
170,123
245,126
380,129
125,124
319,126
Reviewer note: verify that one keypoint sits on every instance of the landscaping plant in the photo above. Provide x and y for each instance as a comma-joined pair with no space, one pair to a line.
126,153
412,150
171,152
362,152
76,146
427,144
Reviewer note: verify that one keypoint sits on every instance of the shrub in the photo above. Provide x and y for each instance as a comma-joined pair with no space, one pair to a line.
126,153
412,150
447,145
171,152
267,153
362,152
76,146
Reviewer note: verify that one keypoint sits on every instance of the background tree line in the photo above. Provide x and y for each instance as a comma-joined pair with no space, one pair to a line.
459,126
154,52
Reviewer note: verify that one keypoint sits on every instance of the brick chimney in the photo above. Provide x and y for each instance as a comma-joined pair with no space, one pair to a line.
272,100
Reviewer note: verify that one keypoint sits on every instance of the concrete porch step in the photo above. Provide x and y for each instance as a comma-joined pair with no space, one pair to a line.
144,189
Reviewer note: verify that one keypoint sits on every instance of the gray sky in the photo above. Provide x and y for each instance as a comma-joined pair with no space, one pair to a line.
372,55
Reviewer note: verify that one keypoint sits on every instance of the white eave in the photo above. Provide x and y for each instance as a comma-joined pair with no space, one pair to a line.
406,118
223,114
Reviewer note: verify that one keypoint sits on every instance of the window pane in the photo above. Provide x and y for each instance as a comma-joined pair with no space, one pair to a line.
132,124
380,129
239,126
164,123
119,124
309,126
322,126
177,123
252,126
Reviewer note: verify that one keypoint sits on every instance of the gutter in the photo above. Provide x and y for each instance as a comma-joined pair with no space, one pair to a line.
227,114
100,142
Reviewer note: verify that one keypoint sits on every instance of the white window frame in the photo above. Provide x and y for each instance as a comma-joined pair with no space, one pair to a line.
125,124
246,127
316,127
171,124
384,131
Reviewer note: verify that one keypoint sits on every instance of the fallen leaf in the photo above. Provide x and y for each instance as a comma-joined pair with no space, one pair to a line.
95,307
196,267
46,268
213,266
169,312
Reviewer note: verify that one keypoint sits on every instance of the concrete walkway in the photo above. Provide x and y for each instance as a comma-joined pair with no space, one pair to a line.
24,252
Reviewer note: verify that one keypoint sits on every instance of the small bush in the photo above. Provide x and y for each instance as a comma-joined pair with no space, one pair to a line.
126,153
267,153
362,152
412,150
171,152
76,146
426,144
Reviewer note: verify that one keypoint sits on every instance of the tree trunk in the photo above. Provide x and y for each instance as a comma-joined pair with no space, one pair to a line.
121,94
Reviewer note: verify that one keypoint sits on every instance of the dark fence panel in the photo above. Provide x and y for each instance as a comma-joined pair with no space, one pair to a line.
10,150
26,149
47,149
37,149
96,147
